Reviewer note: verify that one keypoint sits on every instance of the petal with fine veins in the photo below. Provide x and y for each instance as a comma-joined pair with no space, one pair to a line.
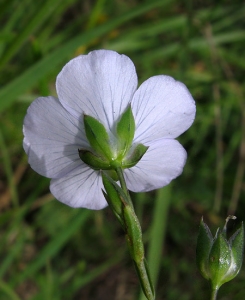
162,162
81,188
52,138
100,84
162,107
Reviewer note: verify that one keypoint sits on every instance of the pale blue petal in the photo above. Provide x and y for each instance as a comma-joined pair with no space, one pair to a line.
52,137
162,162
162,107
100,84
81,188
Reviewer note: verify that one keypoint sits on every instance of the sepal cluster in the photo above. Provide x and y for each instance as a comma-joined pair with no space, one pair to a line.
110,155
219,259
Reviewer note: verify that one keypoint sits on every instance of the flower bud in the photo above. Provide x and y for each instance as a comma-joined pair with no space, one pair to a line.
218,259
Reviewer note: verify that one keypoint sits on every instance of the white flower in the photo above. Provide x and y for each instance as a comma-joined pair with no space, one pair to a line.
101,85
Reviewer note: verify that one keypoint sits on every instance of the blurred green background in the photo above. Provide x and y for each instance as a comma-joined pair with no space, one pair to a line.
50,251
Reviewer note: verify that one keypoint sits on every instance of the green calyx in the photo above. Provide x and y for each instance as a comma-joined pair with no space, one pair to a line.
105,157
219,259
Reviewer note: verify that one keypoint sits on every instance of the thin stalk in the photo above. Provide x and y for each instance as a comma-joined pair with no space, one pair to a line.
123,185
214,294
134,240
136,249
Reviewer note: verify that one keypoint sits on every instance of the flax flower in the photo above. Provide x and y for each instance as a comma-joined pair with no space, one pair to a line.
101,85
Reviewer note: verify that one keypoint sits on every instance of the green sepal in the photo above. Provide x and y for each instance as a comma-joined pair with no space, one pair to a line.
97,137
125,132
94,161
236,242
135,156
220,260
204,245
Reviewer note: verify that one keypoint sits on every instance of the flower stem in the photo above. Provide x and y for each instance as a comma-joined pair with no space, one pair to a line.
136,249
134,241
214,293
146,284
123,185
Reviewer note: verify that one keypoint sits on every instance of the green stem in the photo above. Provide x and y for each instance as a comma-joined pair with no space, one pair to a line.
134,240
123,185
145,280
136,249
214,294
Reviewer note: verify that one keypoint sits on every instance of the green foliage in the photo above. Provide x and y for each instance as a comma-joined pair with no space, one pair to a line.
50,251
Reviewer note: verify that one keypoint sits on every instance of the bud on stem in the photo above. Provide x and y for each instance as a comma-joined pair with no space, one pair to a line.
136,248
119,200
218,259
